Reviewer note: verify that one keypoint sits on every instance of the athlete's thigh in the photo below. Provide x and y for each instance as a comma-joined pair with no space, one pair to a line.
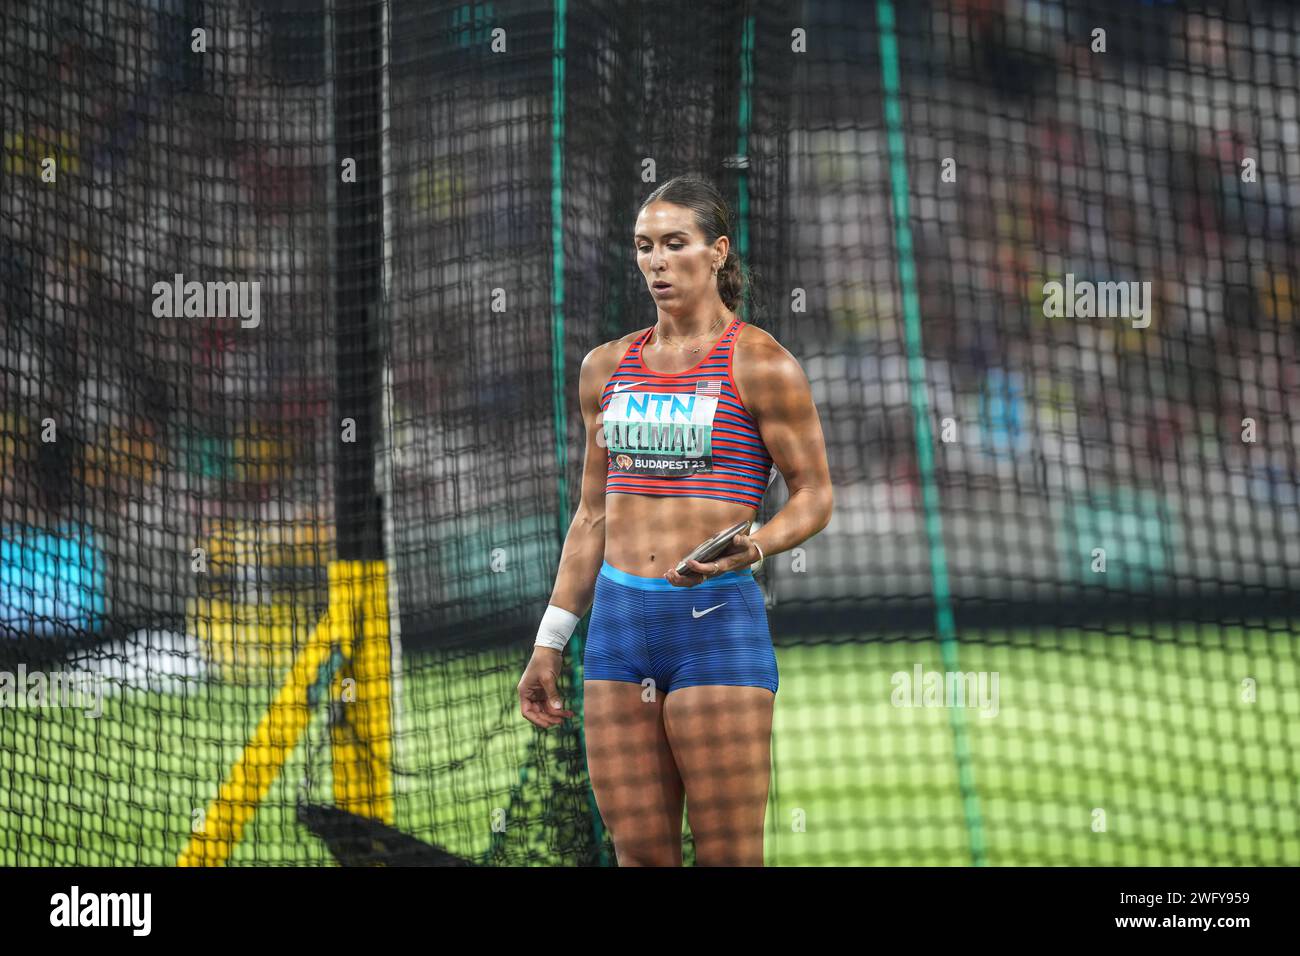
721,742
635,781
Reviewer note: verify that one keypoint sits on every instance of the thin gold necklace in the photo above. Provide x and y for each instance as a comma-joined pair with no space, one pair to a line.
664,338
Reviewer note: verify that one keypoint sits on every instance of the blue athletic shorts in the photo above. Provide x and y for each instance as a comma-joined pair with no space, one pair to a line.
713,633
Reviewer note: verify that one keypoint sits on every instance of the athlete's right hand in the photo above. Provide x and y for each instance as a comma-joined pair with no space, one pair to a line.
539,695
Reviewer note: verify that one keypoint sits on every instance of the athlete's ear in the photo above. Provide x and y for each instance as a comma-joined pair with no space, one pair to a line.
721,248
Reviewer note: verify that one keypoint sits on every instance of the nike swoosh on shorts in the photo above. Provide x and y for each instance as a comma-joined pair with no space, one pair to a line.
695,613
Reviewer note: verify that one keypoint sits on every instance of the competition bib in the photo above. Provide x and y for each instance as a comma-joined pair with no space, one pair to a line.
661,433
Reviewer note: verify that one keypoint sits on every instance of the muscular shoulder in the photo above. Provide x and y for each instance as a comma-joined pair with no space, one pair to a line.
605,357
764,371
599,365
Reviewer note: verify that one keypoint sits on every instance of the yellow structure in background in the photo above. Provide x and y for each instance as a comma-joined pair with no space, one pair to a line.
251,637
244,643
355,624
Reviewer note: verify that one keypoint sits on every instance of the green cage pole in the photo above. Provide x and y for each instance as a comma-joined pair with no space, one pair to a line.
944,621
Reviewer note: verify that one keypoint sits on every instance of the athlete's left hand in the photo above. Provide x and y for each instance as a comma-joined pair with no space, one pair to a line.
740,554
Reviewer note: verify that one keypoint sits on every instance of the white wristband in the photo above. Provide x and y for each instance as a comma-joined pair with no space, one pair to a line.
761,558
556,628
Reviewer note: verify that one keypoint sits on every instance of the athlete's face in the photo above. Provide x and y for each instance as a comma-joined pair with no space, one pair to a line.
674,258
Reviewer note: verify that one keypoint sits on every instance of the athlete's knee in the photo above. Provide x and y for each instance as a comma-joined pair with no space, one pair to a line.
646,853
728,855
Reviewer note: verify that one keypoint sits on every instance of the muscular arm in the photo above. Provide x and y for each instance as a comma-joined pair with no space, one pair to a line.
584,545
775,389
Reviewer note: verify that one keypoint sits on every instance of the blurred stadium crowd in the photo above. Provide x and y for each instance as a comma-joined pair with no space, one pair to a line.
1118,166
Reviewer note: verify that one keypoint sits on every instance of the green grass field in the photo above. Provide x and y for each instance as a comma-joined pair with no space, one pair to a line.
1152,732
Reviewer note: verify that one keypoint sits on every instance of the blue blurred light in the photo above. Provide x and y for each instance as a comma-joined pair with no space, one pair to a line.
51,582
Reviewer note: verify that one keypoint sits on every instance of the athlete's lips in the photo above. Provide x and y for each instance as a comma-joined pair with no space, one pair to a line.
661,284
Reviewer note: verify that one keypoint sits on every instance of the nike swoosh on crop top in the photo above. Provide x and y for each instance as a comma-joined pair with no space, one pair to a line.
683,433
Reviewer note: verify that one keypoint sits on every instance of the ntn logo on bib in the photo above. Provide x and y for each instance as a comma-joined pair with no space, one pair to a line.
644,429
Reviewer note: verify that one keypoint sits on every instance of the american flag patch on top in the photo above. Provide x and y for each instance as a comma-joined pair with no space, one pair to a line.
708,388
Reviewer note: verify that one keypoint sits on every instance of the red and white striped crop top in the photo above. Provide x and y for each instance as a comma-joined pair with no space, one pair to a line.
683,433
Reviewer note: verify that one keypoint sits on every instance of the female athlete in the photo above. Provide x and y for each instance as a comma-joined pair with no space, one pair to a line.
684,421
